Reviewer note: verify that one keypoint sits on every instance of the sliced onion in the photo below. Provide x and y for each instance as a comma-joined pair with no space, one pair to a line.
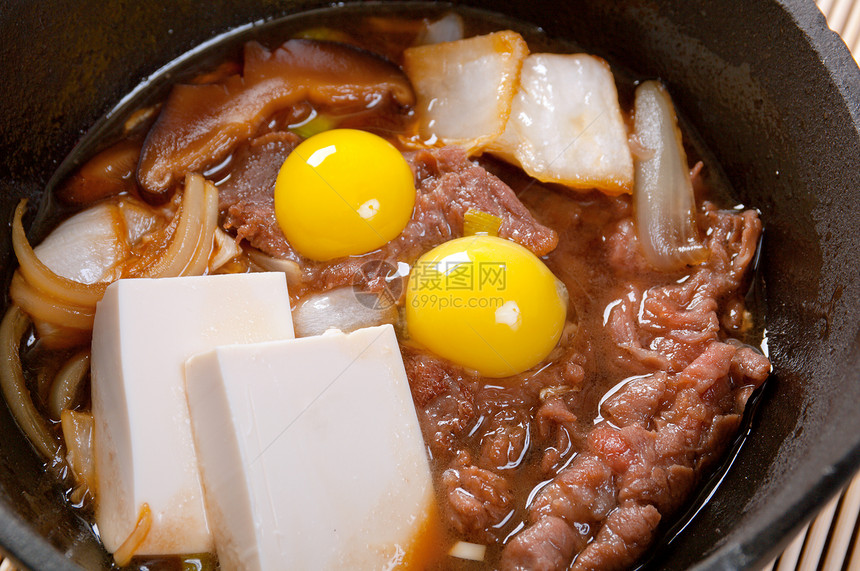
663,198
78,435
94,245
42,307
13,385
65,390
57,303
226,248
122,556
343,308
55,336
41,278
267,263
139,219
200,260
186,237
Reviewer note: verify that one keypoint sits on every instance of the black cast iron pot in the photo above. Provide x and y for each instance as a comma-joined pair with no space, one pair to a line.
772,92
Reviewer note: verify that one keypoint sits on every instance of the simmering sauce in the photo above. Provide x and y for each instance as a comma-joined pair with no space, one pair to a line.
582,460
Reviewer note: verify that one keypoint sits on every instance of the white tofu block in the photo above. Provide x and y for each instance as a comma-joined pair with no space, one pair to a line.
465,87
311,452
144,331
566,124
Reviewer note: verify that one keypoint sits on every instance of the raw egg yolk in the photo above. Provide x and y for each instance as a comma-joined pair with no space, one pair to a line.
343,192
487,304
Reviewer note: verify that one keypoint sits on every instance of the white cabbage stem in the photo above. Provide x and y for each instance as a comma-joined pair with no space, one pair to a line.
43,278
448,28
663,199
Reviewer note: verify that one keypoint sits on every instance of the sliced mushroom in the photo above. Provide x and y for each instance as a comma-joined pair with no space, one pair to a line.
109,173
201,124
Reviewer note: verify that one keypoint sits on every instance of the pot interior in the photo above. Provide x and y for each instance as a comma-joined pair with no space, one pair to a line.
769,90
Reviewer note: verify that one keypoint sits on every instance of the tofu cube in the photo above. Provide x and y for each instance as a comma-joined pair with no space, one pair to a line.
144,331
310,452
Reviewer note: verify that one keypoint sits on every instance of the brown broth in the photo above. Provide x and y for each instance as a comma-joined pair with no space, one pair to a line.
580,220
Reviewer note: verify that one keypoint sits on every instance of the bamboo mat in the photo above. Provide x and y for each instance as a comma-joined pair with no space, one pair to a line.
830,542
843,16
